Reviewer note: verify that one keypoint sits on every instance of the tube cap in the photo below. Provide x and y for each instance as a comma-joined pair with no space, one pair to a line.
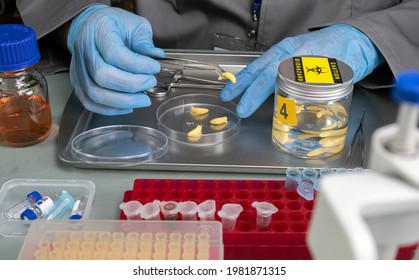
36,195
18,47
407,87
75,217
28,214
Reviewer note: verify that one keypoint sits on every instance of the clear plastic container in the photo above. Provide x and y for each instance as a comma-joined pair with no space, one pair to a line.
119,145
25,113
176,119
13,191
312,101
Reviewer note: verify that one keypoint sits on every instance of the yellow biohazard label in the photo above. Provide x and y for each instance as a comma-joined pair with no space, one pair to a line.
286,111
323,70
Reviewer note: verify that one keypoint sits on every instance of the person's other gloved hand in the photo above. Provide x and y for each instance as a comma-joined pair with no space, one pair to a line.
341,41
111,65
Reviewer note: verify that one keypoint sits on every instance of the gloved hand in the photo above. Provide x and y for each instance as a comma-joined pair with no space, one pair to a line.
110,65
341,41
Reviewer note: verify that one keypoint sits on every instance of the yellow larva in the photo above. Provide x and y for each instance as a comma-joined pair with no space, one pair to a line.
329,133
324,113
194,138
280,125
314,132
306,136
200,117
337,108
320,151
197,131
329,127
218,127
332,141
315,108
199,111
219,120
317,152
229,76
337,149
299,108
282,137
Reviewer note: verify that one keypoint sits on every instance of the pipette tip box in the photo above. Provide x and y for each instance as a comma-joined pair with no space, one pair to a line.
129,240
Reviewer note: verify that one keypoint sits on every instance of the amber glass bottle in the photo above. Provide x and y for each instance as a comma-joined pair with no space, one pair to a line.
25,113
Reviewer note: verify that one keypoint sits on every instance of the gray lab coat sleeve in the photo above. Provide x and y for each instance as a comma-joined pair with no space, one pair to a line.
395,32
46,15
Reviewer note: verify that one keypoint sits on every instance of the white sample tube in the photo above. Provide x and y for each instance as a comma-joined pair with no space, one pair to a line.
229,214
264,214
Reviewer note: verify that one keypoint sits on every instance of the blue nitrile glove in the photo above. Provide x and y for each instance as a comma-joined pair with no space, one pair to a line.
110,65
341,41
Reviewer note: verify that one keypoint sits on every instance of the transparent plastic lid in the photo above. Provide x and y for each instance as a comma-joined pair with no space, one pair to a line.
198,119
119,145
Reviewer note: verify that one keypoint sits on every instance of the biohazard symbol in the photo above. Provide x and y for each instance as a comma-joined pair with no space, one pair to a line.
316,69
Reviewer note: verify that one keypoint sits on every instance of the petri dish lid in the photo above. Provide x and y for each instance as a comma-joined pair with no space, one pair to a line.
119,145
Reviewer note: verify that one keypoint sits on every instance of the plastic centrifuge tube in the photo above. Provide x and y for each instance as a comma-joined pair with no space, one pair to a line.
306,190
341,170
292,178
170,210
17,209
229,214
324,171
188,210
206,210
264,214
61,206
79,208
40,208
132,209
309,175
151,211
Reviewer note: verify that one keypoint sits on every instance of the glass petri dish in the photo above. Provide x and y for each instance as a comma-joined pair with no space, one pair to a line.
176,120
119,145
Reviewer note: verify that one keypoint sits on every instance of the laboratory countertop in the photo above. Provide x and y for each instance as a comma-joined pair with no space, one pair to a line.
41,161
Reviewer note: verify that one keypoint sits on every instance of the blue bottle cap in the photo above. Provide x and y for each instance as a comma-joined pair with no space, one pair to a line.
36,195
407,87
75,217
28,214
18,47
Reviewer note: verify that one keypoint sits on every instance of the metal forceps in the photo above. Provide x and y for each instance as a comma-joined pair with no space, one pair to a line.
171,76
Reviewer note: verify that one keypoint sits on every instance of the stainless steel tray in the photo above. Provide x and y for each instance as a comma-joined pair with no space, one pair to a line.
250,150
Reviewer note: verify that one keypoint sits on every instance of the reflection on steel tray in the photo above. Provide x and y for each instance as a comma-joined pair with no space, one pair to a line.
248,151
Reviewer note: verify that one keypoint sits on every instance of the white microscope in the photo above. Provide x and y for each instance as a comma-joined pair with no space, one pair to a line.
369,215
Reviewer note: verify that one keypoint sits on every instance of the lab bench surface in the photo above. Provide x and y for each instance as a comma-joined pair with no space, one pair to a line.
41,162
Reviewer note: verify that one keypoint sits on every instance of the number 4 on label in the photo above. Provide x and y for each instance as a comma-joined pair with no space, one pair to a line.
286,111
283,111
